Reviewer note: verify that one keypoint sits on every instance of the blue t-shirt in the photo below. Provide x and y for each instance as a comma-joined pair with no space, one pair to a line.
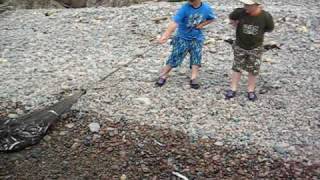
189,17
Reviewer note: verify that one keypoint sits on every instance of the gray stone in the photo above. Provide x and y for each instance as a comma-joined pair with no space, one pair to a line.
94,127
13,116
218,143
63,133
47,138
70,125
75,145
144,100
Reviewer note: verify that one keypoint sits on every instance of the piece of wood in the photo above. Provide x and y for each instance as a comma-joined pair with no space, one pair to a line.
17,134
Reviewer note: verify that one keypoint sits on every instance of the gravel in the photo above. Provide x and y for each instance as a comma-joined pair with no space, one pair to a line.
43,57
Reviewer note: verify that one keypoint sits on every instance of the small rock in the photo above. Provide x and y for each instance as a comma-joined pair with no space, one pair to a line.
123,154
115,167
207,155
19,111
63,133
302,29
70,125
218,143
144,100
94,127
205,137
96,137
280,149
65,165
145,168
109,149
284,145
123,177
235,119
47,138
16,157
210,41
36,153
139,53
112,131
3,60
75,145
87,141
13,116
292,148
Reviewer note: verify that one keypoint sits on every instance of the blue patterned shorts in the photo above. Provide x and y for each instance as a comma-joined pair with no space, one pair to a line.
181,47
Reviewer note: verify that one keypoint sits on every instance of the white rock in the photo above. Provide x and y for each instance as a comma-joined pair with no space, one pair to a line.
47,138
19,111
63,133
218,143
94,127
144,100
13,116
96,137
70,125
3,60
75,145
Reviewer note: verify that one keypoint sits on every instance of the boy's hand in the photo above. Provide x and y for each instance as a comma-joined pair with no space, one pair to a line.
171,28
234,23
203,24
200,26
163,39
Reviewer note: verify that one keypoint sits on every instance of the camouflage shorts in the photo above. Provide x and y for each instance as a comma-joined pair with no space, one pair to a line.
247,60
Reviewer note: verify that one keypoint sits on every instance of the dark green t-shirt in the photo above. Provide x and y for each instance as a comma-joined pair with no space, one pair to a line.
251,29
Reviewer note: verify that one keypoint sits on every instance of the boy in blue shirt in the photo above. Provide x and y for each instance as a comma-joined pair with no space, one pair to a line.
190,19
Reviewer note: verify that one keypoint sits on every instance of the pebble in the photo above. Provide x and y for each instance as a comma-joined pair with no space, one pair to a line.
94,127
70,125
75,145
144,100
13,116
63,133
218,143
47,138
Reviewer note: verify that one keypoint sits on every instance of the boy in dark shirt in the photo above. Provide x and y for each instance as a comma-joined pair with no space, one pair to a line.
251,23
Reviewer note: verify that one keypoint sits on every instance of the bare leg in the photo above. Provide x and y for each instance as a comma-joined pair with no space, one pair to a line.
194,72
236,76
165,71
251,82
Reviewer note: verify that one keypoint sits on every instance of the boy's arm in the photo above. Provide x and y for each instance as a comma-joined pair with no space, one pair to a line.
166,35
269,23
211,16
173,25
234,23
234,16
203,24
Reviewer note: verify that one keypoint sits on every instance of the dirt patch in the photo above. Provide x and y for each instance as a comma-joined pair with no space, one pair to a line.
138,151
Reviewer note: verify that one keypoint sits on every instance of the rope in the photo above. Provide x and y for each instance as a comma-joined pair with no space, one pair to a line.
92,86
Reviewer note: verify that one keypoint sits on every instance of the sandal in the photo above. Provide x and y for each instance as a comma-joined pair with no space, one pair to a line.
194,84
230,94
161,82
252,96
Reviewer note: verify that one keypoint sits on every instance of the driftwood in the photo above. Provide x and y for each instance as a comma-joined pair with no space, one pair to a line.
16,134
158,19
